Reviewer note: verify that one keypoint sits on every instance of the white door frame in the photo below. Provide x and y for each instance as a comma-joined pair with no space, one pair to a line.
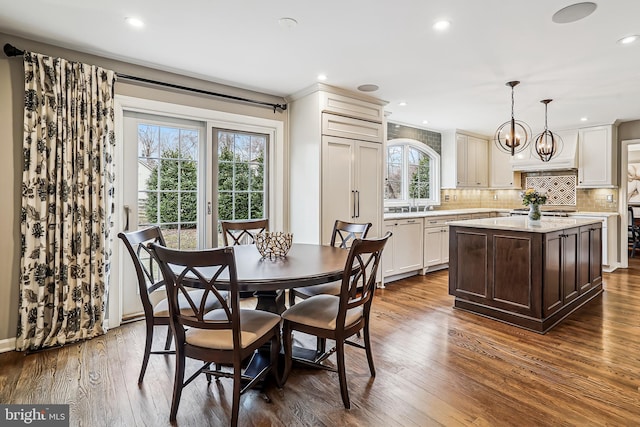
278,171
622,201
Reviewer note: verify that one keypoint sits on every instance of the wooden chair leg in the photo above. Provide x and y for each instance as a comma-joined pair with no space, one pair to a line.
367,346
167,344
342,375
288,350
178,384
235,409
147,350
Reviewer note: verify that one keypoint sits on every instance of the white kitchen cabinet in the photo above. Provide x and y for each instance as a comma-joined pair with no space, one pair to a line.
335,162
352,182
403,252
465,161
597,157
436,241
501,174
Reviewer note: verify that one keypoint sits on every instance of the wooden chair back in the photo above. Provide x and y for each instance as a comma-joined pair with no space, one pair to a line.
147,268
346,232
183,270
358,289
242,232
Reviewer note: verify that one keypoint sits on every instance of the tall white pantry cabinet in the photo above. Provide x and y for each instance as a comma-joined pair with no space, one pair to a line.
336,162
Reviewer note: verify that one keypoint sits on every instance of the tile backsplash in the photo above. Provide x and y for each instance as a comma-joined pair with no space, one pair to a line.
560,189
590,200
564,192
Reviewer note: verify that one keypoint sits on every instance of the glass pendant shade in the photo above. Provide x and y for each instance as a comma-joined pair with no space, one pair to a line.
547,144
513,136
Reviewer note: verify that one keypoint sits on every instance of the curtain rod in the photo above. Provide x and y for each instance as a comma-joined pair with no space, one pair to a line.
11,50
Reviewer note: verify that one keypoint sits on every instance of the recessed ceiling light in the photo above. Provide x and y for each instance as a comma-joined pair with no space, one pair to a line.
425,122
583,119
441,25
402,104
629,39
574,12
368,88
287,22
322,77
134,22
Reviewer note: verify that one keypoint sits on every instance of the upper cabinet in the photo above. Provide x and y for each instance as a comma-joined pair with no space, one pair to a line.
500,173
345,105
597,157
465,161
335,162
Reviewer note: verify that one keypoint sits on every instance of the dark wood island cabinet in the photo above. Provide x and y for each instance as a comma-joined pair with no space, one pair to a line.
529,275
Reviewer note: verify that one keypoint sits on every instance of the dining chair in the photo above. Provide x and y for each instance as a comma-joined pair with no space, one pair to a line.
225,336
149,281
339,317
633,232
344,233
243,232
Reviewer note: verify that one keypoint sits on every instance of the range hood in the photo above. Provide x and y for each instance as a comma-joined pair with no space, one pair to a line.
528,160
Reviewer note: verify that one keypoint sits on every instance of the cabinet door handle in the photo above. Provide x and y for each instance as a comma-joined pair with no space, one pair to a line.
353,197
358,195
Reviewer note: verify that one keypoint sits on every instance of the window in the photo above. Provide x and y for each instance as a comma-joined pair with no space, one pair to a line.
242,175
168,181
413,172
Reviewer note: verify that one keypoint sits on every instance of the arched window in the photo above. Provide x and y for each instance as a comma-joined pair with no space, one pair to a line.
413,174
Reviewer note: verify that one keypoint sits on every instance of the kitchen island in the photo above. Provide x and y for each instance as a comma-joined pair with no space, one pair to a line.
532,275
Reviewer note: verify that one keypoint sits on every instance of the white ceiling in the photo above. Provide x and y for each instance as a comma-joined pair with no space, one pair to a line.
453,79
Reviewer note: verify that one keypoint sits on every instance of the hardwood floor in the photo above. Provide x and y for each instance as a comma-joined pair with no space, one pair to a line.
435,366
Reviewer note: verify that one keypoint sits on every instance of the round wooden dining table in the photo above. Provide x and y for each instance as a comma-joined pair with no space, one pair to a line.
304,265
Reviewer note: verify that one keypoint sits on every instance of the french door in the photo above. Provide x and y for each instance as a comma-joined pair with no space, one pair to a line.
162,176
240,177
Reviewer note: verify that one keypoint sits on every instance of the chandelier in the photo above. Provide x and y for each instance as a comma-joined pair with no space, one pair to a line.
547,144
513,136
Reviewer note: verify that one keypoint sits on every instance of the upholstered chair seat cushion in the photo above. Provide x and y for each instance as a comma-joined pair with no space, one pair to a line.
332,288
254,324
161,309
321,311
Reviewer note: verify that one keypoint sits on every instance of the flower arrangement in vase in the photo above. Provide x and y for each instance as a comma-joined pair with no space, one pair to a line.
533,199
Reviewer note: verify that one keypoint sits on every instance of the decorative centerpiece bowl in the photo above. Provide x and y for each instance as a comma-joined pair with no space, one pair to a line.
273,244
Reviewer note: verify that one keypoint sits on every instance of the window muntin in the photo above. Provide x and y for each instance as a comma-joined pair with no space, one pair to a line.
242,175
168,182
413,171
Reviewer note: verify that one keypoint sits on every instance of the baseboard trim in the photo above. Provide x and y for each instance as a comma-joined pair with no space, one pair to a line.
8,344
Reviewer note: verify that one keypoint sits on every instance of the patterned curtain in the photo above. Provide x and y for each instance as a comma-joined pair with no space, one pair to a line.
67,196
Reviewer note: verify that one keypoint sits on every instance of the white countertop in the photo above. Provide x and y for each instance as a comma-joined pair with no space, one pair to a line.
522,223
445,212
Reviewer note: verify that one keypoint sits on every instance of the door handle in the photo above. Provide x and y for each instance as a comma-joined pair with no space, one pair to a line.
358,195
126,213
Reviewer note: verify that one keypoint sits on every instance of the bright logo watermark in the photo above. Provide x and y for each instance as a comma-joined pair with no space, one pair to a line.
34,415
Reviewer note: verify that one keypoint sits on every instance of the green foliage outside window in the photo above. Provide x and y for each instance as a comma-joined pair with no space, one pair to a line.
175,185
419,185
242,197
